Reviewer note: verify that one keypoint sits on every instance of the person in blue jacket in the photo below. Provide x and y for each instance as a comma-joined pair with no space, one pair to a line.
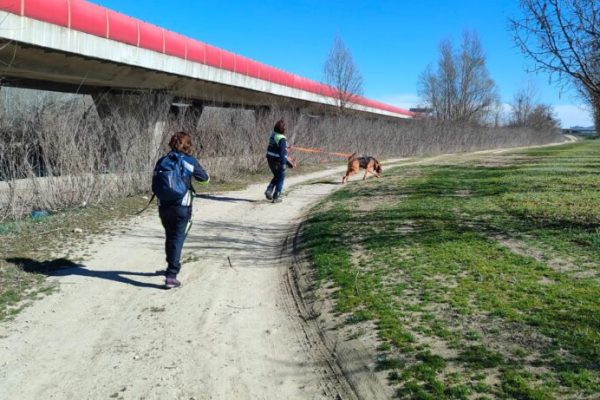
176,214
278,161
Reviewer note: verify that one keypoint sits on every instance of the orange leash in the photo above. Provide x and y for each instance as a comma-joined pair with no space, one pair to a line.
314,150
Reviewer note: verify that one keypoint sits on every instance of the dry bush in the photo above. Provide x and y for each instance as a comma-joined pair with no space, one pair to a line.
231,144
56,152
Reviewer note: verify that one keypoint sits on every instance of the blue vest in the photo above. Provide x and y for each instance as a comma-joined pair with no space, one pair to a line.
274,150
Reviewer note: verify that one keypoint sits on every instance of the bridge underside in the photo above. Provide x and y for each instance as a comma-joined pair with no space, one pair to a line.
27,66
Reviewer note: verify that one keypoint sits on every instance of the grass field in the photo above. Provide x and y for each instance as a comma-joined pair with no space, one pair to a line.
481,277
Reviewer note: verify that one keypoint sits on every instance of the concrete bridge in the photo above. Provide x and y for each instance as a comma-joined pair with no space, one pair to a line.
77,46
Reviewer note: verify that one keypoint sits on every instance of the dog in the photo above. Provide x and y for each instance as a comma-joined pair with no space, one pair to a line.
368,163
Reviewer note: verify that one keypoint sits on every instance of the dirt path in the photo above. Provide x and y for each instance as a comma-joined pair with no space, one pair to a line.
232,331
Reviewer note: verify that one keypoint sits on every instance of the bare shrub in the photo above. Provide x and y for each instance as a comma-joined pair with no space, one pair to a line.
56,152
227,142
526,111
59,154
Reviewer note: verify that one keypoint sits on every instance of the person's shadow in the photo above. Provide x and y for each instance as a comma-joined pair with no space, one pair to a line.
66,267
223,198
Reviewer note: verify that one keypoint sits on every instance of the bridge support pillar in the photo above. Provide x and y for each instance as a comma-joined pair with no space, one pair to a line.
148,111
185,115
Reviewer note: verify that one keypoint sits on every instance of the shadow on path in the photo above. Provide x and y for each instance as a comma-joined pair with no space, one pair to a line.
325,182
66,267
224,198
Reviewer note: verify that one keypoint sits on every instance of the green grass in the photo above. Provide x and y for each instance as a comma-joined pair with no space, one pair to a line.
499,263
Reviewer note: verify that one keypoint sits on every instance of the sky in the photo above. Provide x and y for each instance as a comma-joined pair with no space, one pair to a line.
391,41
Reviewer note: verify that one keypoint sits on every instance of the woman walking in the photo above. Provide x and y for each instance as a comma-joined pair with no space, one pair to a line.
175,214
278,161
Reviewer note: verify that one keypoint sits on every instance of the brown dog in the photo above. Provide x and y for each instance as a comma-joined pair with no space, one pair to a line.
368,163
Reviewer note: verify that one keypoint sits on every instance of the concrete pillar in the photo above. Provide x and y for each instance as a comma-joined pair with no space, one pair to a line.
148,110
158,133
185,115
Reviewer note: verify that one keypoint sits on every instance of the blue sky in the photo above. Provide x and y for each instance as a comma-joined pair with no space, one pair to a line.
392,41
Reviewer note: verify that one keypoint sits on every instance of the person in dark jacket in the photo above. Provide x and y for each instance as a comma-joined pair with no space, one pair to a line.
278,161
176,215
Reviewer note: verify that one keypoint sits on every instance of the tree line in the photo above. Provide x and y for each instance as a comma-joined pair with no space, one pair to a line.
561,37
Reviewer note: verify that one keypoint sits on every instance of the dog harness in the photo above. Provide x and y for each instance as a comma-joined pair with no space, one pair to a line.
364,161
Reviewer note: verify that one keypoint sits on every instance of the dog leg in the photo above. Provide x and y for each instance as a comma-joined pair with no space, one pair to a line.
348,175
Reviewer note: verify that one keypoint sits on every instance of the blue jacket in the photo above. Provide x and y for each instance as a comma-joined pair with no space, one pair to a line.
192,168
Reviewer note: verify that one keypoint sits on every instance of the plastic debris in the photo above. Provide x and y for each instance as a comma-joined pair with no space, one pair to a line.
39,214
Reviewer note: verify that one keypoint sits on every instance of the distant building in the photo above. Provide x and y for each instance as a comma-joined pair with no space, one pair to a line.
581,131
422,111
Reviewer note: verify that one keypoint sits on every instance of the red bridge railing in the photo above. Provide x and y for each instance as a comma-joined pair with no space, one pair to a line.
83,16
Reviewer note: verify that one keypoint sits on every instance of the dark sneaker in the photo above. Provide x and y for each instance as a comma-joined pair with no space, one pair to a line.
277,199
268,195
171,283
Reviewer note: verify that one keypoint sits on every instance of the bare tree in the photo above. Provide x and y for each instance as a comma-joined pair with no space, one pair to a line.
528,112
542,117
522,105
342,75
460,89
562,37
497,114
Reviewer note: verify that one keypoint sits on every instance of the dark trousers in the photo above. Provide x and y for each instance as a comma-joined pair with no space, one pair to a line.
278,171
174,219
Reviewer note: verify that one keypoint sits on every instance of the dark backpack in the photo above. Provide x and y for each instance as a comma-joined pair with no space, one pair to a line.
168,181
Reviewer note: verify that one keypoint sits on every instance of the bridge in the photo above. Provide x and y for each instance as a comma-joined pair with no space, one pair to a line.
80,47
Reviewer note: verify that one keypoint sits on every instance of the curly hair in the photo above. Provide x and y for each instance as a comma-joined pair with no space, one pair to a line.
182,142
